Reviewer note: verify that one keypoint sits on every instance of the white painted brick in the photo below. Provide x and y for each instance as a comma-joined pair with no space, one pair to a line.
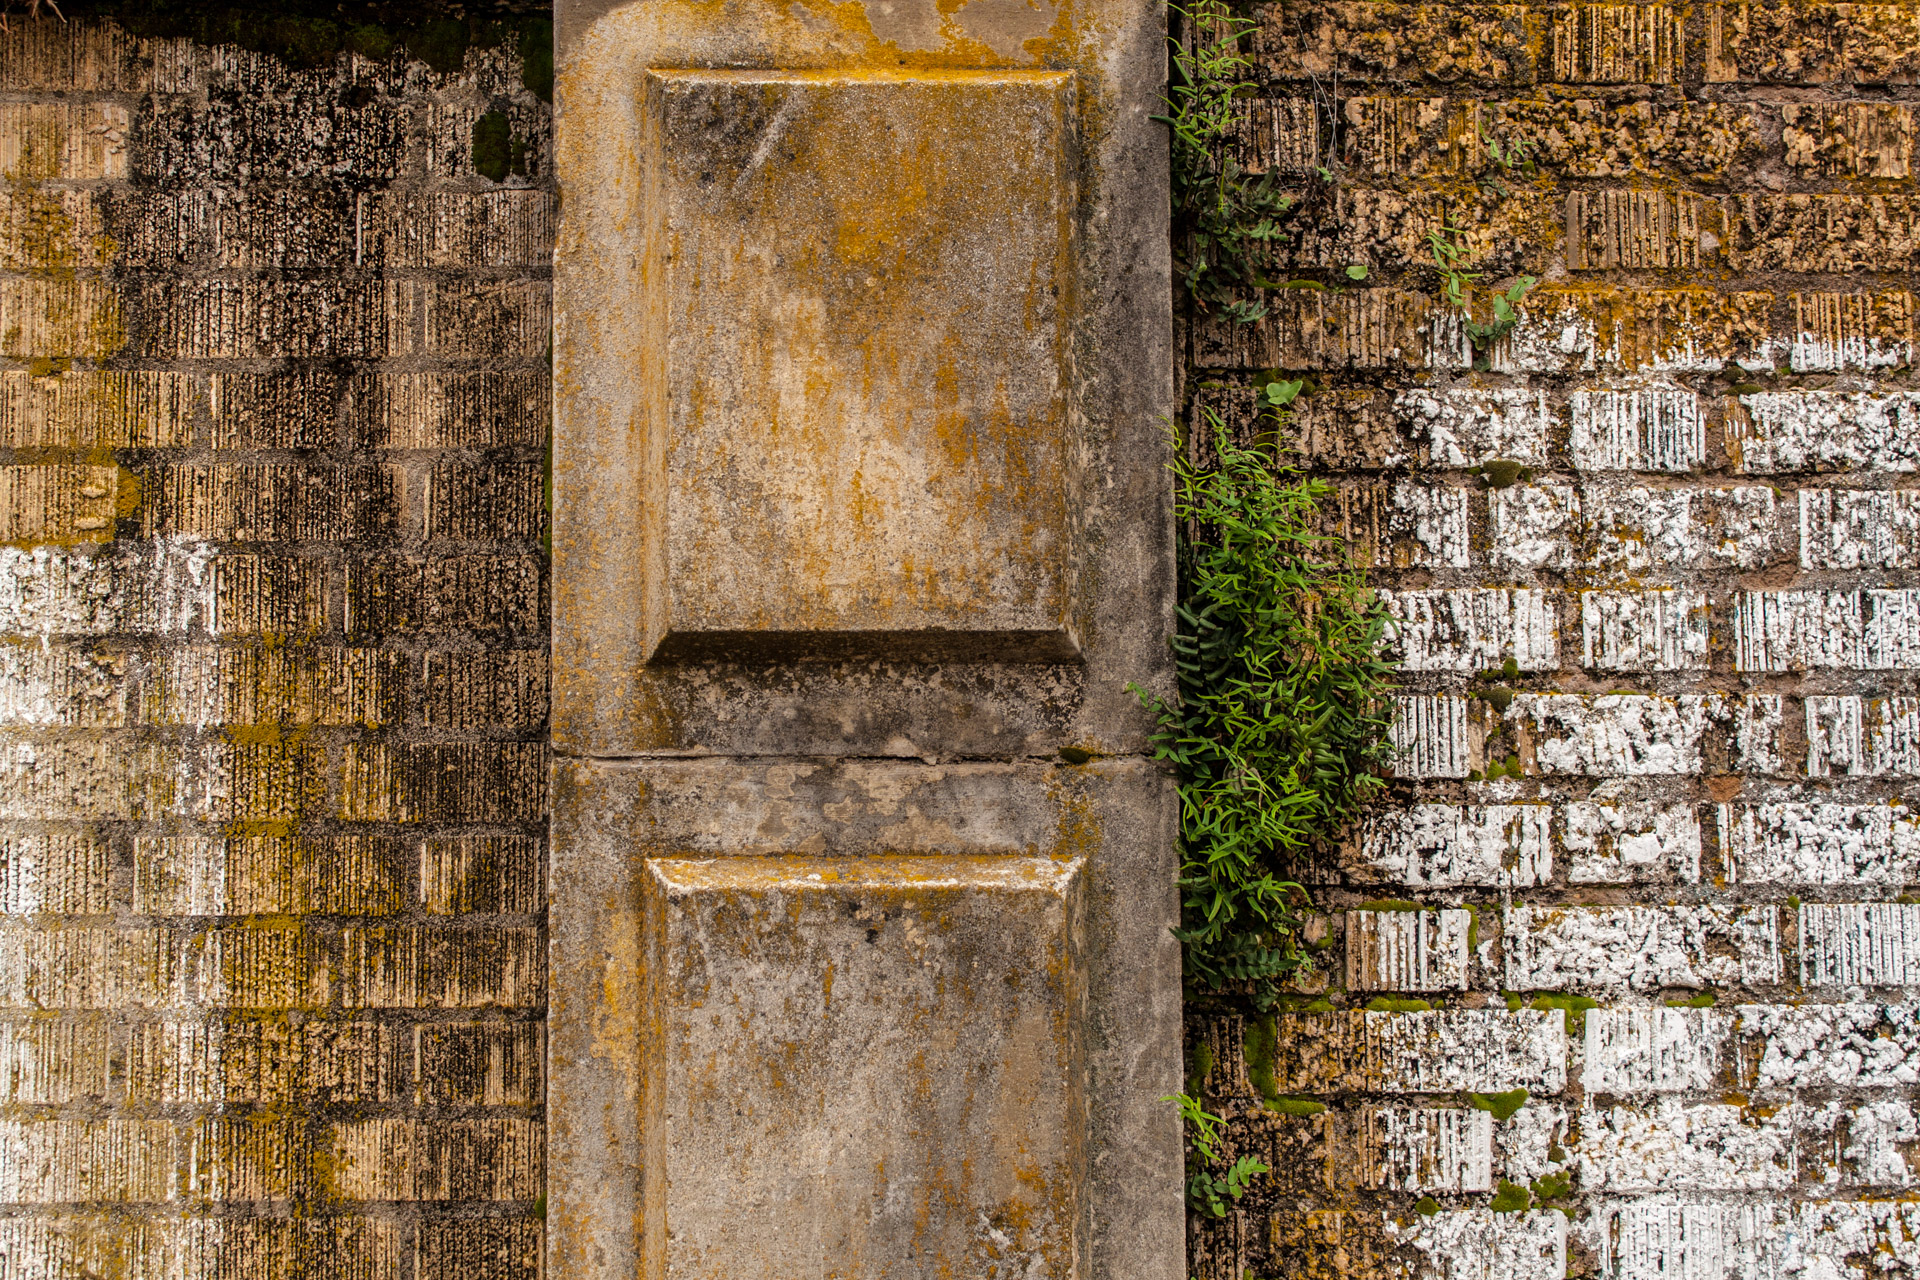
1663,630
1429,736
1819,843
1639,948
1757,721
1478,1244
1827,1238
1467,426
1441,1150
1877,1136
1862,737
1631,843
1471,630
1830,1046
1871,630
1524,1143
1436,846
1432,518
1407,950
1671,1145
1838,331
1859,528
1618,733
1826,431
1637,1049
1859,944
1427,1051
1661,1240
1642,429
1637,530
1533,526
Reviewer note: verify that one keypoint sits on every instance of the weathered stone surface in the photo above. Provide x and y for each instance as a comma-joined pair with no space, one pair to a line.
939,1000
843,456
955,864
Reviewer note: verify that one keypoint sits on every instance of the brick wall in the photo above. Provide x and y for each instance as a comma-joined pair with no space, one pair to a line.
1699,555
273,405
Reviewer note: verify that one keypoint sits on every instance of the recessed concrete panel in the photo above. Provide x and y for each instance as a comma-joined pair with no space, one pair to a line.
866,1067
857,364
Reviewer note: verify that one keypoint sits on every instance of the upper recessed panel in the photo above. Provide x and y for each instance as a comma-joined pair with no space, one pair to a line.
859,289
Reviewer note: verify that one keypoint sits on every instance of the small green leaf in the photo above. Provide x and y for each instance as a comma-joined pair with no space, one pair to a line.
1358,271
1426,1206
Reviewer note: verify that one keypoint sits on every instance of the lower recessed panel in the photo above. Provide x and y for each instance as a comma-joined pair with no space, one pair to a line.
864,1068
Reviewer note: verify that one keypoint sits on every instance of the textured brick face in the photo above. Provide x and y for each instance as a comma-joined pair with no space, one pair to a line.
272,646
1696,861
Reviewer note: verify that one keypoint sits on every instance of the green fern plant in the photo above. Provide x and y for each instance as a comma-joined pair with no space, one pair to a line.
1228,217
1278,730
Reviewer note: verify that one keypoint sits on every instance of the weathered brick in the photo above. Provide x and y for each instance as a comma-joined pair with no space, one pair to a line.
459,874
262,319
466,689
408,967
272,502
1859,529
1633,230
88,409
496,783
487,501
70,140
86,779
1636,332
1443,846
1466,427
1638,734
1848,140
1800,843
1442,1150
502,320
1431,737
1644,630
53,1062
469,410
415,1159
1812,42
340,1246
1631,843
1484,1245
1641,429
1618,44
482,595
1851,736
492,1064
1401,524
116,1160
1820,233
497,1248
1828,1046
1863,944
297,410
54,875
1677,1146
1407,950
1805,630
245,229
1783,431
1639,948
64,685
506,228
194,1060
206,685
1471,44
1471,630
1435,1051
1637,1050
1833,332
270,875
